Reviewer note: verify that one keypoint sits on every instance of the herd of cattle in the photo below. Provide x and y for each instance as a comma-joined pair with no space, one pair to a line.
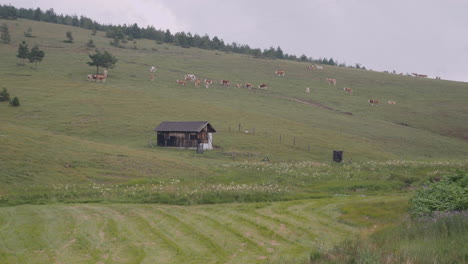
192,78
207,82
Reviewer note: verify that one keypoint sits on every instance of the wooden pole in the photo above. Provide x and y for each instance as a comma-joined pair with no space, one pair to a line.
239,127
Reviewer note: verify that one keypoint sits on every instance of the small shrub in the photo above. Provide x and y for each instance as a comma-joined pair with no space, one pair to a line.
28,33
90,44
4,95
15,101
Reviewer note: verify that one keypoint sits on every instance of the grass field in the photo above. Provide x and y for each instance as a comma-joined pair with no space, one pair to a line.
79,182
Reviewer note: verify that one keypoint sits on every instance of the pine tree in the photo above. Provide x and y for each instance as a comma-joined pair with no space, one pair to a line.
36,55
5,36
69,37
4,95
15,101
23,51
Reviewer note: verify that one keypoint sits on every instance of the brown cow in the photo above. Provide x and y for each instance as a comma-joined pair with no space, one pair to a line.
99,77
348,90
151,77
197,83
391,102
330,81
263,86
208,82
373,101
248,86
225,82
181,82
239,85
280,73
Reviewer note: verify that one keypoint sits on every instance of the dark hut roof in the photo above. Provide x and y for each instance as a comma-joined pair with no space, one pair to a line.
182,126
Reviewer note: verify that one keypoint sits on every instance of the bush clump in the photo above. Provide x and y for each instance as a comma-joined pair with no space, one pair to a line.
15,101
443,195
4,95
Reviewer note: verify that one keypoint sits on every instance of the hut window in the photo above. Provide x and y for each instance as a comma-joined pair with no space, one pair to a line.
193,137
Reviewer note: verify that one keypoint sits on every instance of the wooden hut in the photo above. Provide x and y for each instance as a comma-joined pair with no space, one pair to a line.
190,134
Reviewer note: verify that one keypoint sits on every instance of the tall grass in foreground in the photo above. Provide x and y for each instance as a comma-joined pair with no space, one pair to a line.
441,238
436,233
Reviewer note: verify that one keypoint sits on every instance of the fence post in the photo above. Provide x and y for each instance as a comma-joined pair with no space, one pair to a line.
239,127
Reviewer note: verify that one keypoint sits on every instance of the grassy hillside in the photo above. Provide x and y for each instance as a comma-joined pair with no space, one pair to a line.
74,141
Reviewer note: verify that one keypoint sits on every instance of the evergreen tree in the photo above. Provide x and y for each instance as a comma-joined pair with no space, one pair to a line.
5,35
69,37
4,95
38,14
90,44
15,101
279,53
28,33
102,59
36,55
168,37
23,51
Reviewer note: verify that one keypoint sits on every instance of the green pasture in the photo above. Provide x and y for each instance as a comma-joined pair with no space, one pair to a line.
132,233
81,183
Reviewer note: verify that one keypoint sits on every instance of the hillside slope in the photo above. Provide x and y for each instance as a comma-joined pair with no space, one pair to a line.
66,122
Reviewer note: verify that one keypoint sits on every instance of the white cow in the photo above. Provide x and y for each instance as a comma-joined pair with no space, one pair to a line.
153,69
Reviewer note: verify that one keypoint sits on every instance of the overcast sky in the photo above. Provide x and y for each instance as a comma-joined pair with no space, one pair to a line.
422,36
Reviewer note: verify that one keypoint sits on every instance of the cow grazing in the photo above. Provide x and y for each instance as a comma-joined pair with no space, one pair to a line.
153,69
318,67
280,73
208,83
190,77
181,82
99,77
391,102
225,83
263,86
248,86
197,83
310,67
348,90
373,101
331,81
91,78
239,85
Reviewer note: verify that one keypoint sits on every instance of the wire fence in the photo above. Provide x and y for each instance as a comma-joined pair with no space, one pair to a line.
282,138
